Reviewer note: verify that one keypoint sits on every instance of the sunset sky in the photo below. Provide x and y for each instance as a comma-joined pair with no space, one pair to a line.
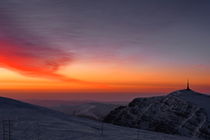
104,46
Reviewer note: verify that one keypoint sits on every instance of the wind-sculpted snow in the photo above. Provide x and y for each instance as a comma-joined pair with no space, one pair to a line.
169,114
30,122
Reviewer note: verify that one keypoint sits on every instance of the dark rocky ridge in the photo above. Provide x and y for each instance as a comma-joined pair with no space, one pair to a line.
177,113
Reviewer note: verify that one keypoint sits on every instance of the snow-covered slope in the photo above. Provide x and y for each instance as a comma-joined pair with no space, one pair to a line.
202,100
182,112
30,122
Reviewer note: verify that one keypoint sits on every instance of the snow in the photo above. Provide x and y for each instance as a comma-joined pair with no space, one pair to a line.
37,123
183,112
202,100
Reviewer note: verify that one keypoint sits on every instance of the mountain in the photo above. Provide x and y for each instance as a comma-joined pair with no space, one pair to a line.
28,122
86,109
199,99
92,110
53,103
183,112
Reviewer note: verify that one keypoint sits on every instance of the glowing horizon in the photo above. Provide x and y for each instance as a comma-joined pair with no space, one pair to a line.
123,81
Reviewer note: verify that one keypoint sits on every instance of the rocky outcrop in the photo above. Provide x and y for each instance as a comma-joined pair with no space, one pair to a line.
168,114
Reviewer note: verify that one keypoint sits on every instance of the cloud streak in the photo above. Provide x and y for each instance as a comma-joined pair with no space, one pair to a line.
27,53
33,61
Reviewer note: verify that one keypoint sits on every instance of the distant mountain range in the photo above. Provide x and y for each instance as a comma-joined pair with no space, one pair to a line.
86,109
92,110
30,122
183,112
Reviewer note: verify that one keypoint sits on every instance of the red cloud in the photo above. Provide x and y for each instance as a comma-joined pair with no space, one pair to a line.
33,60
18,52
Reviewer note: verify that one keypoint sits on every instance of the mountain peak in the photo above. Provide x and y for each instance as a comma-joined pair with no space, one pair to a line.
184,91
182,112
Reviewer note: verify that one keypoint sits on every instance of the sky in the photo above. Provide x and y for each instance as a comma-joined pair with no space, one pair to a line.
104,46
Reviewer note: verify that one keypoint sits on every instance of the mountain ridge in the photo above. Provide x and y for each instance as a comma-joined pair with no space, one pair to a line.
177,113
29,122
